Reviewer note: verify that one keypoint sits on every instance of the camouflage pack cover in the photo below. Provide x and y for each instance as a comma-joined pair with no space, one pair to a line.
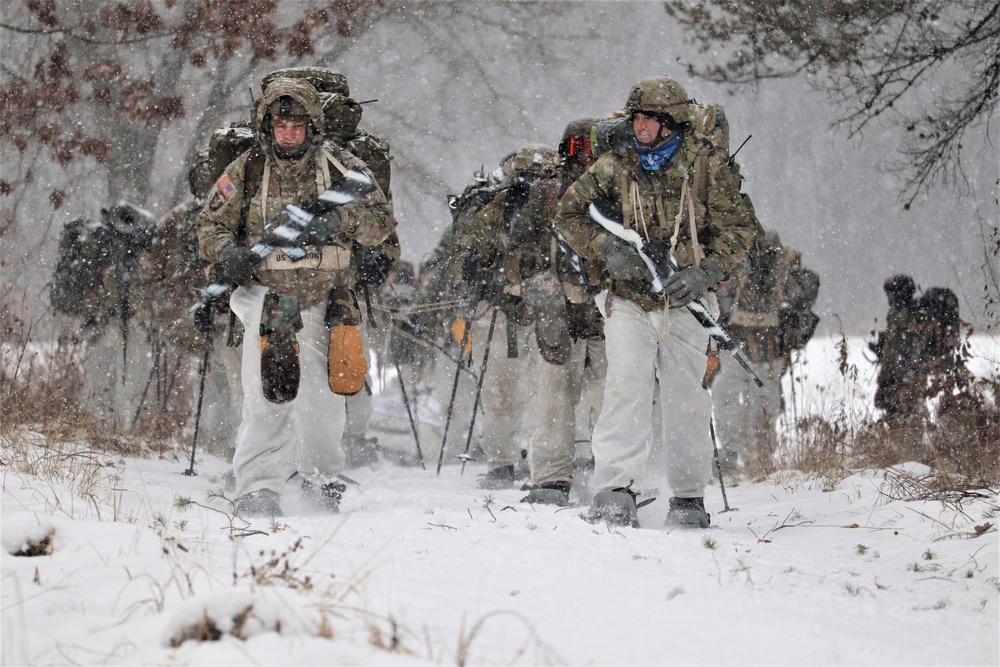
95,277
324,80
537,159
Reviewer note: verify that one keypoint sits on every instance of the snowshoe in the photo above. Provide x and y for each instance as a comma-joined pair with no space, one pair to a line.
549,493
325,496
617,507
497,478
262,502
687,513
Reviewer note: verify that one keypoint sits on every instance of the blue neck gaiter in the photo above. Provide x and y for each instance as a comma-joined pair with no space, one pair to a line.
654,159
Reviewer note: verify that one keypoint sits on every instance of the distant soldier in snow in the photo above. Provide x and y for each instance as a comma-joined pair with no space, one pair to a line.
918,348
898,392
302,347
568,328
98,281
768,311
678,191
496,253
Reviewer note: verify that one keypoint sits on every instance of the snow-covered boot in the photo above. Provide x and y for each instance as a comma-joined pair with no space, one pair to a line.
498,478
549,493
262,502
687,513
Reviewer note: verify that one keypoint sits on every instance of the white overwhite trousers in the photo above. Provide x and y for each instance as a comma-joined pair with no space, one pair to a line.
507,390
276,440
745,414
550,445
639,351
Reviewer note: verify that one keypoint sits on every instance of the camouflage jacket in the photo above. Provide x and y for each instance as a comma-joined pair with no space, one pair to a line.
524,211
367,222
649,202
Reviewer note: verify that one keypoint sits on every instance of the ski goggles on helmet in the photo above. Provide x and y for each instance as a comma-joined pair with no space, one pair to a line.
579,145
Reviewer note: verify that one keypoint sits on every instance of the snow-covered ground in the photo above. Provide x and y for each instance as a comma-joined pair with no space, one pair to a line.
421,568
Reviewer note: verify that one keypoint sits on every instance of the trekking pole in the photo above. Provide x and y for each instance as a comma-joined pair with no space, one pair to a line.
479,388
203,371
718,468
409,413
145,391
509,205
470,313
399,373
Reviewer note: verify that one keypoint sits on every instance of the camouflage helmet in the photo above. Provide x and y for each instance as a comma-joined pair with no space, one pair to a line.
658,96
581,127
322,79
535,159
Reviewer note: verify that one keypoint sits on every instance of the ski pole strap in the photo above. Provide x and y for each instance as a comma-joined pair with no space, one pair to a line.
511,337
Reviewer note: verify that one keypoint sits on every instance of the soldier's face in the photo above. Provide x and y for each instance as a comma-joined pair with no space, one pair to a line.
647,129
289,131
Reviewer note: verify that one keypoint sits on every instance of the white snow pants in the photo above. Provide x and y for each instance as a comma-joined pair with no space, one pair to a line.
637,349
276,440
745,414
507,389
590,367
550,446
359,406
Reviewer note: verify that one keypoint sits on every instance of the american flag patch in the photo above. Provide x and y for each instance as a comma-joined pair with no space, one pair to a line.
225,186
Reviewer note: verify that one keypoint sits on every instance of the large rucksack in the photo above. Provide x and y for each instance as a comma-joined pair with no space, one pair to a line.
96,261
936,325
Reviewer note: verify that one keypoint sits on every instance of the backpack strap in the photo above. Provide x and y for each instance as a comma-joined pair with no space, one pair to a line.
253,174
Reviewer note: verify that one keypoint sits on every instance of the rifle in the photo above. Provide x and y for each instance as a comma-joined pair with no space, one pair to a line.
661,267
288,226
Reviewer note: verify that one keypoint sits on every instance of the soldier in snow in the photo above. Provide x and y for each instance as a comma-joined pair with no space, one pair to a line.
495,253
768,311
568,328
676,189
302,348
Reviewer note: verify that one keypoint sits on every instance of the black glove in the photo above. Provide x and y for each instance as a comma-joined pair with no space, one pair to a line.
622,260
475,271
373,267
238,263
692,283
321,229
203,318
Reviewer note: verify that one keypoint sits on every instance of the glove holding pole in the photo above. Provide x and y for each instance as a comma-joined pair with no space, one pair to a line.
667,279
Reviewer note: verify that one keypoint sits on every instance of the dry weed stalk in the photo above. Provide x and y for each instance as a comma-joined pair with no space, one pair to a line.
959,438
42,386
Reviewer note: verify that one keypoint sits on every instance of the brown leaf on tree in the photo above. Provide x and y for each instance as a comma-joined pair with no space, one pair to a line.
57,197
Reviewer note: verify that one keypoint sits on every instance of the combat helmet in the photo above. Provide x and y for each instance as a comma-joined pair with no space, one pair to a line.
659,96
534,160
